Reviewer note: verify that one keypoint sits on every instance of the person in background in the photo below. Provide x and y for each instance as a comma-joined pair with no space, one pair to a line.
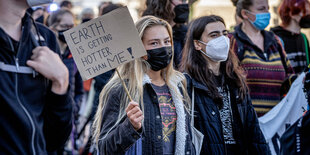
156,121
102,5
87,15
294,14
261,54
36,107
61,21
102,80
222,104
37,14
66,5
176,13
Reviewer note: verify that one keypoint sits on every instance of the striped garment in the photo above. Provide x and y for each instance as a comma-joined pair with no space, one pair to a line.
265,70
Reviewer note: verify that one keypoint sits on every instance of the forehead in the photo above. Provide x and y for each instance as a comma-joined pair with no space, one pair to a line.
156,32
66,18
258,3
214,26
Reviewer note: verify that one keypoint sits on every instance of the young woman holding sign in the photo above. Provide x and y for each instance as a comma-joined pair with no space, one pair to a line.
156,121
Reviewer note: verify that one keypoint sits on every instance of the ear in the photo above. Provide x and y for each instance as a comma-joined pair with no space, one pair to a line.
244,14
144,57
197,45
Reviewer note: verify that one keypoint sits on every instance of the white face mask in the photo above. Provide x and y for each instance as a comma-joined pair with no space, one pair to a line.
32,3
217,49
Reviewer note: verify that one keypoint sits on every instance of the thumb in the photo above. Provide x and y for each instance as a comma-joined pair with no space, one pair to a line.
32,64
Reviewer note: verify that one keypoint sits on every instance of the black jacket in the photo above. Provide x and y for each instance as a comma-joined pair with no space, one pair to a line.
33,120
246,130
123,136
295,48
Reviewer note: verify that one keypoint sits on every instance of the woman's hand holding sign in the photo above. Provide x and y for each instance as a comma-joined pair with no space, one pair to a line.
134,115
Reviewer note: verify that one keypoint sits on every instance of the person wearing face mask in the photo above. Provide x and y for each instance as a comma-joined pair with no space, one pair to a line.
261,54
156,121
36,107
61,21
295,14
176,12
216,83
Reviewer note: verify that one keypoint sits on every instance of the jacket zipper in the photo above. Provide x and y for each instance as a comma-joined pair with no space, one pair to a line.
17,95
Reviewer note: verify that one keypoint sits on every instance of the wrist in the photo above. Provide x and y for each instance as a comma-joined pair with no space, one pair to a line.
60,84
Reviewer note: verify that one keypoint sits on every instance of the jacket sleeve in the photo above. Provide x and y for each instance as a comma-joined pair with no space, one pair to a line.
58,108
256,140
78,89
120,138
57,120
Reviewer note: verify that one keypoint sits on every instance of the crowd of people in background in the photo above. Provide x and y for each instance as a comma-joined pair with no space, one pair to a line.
197,79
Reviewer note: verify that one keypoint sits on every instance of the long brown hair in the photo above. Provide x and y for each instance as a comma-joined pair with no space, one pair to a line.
159,8
194,63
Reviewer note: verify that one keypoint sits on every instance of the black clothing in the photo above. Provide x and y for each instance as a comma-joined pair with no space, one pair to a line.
246,131
295,48
33,120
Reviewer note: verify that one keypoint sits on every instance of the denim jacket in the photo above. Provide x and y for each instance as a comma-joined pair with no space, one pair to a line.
123,136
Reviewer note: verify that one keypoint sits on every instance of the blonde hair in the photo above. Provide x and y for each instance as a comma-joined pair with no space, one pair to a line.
133,73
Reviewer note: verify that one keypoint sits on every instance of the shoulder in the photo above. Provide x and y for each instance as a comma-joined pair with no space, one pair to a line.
45,30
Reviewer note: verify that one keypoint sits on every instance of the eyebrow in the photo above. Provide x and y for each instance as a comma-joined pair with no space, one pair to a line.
159,39
217,32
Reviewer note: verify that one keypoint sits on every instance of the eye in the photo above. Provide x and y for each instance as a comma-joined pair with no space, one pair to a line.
214,35
167,41
154,43
225,33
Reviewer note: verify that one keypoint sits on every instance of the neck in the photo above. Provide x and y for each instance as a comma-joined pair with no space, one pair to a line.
63,47
249,29
11,13
214,66
156,77
293,27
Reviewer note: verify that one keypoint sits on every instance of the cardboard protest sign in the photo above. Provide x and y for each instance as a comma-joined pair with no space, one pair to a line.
104,43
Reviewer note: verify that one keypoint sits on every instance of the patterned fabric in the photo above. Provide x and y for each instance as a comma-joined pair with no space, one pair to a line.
264,74
168,117
226,116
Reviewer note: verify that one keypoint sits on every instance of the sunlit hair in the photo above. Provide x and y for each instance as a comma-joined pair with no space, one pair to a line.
291,7
159,8
133,73
194,63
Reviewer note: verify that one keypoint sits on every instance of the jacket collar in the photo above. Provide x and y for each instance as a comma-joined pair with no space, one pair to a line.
269,37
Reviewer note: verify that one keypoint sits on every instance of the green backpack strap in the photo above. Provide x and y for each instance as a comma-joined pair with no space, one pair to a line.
306,47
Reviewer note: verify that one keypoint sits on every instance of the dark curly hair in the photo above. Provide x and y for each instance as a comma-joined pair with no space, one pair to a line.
159,8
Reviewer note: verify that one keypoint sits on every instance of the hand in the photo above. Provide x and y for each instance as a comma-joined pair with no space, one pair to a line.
49,64
135,115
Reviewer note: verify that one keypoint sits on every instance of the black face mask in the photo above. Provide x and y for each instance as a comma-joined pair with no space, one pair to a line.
86,20
305,22
159,58
181,13
61,36
40,19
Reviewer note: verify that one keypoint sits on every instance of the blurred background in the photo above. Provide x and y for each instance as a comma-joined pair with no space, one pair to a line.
223,8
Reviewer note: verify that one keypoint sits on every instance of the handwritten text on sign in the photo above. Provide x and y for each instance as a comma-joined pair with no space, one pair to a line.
104,43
